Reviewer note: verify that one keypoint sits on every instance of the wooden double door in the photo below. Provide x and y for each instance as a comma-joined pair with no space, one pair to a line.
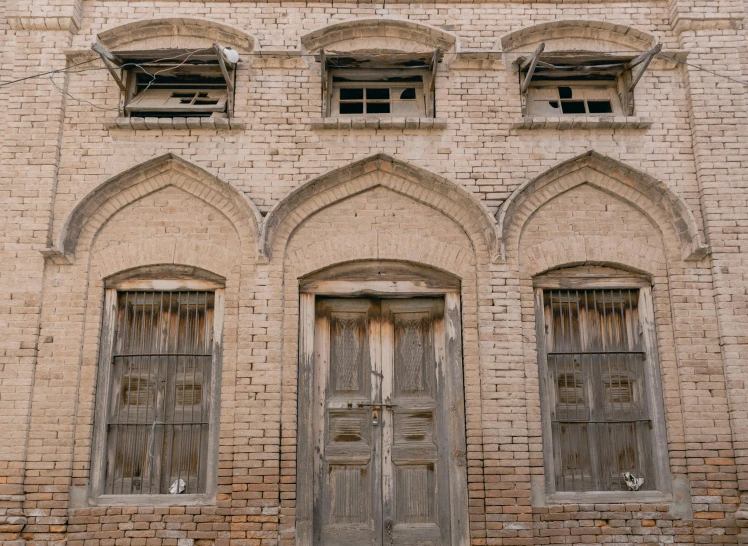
387,419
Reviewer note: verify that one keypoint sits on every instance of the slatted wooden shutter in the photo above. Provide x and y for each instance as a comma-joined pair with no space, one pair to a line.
596,384
160,393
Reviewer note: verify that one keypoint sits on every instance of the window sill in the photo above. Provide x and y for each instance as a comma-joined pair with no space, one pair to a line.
176,123
583,122
152,500
378,122
610,497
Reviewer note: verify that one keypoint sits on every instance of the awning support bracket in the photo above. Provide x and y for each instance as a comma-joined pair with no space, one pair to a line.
111,62
530,65
644,59
224,69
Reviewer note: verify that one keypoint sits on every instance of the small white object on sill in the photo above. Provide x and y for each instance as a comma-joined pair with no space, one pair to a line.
178,487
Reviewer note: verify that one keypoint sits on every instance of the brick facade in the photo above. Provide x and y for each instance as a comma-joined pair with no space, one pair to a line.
278,192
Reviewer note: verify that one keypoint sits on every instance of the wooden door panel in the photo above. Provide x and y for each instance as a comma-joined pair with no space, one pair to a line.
346,510
383,482
415,506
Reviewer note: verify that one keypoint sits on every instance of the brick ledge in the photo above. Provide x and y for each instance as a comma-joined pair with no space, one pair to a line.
160,124
583,122
378,122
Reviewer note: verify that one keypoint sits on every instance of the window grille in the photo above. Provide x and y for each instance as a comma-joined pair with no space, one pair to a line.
600,420
159,396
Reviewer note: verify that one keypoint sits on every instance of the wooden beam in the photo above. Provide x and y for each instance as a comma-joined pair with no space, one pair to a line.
109,61
224,70
432,84
323,77
644,59
530,64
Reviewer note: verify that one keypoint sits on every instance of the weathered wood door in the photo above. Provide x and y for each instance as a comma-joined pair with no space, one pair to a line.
381,435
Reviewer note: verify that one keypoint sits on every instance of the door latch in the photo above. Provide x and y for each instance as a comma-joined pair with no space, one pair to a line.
376,407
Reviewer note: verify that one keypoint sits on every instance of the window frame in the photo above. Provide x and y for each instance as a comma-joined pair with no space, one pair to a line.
662,491
612,88
369,71
130,94
578,68
96,497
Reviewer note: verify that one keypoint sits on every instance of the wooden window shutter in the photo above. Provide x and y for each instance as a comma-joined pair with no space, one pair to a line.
595,358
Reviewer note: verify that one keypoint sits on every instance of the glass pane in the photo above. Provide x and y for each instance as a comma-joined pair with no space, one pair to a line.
573,107
351,94
408,94
377,107
599,107
378,93
351,107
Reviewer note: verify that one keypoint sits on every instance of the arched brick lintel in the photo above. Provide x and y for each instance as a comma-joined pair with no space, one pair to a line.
647,194
389,29
101,203
575,34
175,33
452,200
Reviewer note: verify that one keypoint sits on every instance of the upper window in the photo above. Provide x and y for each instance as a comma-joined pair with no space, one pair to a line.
582,84
175,83
386,84
158,417
600,377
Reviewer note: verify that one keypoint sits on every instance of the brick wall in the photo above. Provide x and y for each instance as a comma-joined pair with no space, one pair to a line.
673,180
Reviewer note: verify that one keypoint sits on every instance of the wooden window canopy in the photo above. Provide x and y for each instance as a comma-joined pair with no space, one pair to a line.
399,84
616,72
172,82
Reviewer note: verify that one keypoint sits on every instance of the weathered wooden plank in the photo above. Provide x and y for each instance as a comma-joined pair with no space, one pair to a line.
305,456
455,405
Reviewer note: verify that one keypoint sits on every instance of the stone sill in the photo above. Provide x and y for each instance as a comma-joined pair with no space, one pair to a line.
610,497
152,500
177,123
378,122
566,123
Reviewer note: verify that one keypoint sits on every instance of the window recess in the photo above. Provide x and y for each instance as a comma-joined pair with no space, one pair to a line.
579,83
157,399
174,82
391,84
602,413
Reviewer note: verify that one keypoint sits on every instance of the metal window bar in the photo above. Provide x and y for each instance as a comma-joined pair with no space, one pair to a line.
599,415
160,393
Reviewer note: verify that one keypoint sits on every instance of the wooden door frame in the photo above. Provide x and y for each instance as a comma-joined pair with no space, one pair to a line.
402,281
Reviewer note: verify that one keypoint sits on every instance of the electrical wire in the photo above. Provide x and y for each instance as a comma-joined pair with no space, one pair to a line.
187,55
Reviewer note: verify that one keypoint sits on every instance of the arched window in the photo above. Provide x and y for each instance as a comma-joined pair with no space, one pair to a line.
157,401
600,388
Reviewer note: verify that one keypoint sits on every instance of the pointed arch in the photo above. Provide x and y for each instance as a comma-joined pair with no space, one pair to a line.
650,196
392,32
581,35
101,203
450,199
175,33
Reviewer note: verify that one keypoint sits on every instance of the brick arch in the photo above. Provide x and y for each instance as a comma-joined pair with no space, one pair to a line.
175,33
578,34
653,198
452,200
101,203
142,253
425,251
591,250
390,34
